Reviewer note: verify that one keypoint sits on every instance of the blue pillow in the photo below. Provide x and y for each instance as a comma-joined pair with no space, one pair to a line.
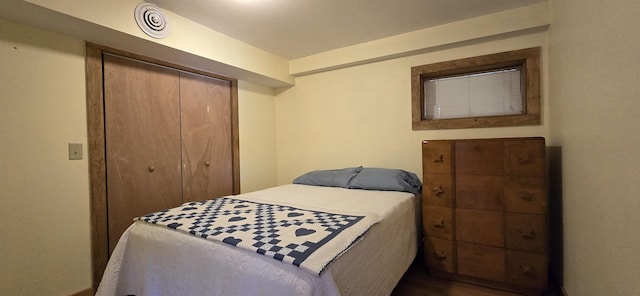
386,180
329,178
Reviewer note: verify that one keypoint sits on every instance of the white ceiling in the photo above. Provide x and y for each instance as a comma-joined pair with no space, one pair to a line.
297,28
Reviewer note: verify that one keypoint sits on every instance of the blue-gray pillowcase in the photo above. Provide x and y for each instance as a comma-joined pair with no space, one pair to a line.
386,180
329,178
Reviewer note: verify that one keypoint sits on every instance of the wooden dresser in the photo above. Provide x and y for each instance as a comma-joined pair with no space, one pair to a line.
485,212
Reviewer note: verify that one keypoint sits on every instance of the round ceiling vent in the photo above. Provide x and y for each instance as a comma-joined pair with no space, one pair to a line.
151,20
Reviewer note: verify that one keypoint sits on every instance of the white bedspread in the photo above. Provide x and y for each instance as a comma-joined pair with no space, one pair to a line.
153,260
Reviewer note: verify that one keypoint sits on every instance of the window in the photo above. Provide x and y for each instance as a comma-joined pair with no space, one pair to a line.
494,90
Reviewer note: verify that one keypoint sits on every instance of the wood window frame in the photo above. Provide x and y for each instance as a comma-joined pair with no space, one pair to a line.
528,59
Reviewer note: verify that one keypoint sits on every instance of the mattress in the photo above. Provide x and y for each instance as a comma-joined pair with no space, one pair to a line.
154,260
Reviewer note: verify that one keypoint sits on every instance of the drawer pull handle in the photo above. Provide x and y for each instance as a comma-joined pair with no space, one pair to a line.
526,269
526,233
151,169
438,190
527,196
440,256
438,223
207,163
522,159
440,159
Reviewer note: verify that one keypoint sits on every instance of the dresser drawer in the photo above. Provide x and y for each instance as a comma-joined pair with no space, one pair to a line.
479,158
440,254
484,207
480,261
526,195
527,269
437,157
480,192
482,227
526,232
438,222
525,158
438,190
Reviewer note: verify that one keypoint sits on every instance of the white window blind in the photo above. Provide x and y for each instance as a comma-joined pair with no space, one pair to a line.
492,93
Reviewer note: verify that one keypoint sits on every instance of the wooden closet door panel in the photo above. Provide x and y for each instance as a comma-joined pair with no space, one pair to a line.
142,131
207,146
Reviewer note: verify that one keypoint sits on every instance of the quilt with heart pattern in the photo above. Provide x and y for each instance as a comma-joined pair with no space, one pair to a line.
309,239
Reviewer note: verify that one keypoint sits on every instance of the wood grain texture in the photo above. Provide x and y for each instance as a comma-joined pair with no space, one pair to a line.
419,280
528,59
479,158
438,222
526,269
440,254
481,261
526,232
437,157
207,144
479,226
235,135
526,195
480,192
97,147
142,123
526,158
498,212
97,170
438,190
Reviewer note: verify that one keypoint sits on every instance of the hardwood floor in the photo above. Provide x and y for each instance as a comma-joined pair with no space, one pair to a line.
417,282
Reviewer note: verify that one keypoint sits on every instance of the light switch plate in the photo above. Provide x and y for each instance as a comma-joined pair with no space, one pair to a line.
75,151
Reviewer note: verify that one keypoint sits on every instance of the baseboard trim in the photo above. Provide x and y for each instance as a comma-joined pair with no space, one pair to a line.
87,292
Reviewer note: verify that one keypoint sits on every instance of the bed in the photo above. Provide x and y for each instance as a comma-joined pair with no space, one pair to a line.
152,258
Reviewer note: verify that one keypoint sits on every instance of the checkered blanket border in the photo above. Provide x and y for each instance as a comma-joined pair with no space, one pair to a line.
258,227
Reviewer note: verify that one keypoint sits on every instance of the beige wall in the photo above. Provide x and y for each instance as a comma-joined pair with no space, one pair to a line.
256,107
595,116
361,115
112,23
44,238
358,115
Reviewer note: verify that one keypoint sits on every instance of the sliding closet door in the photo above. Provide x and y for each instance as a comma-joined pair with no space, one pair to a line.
142,133
207,150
